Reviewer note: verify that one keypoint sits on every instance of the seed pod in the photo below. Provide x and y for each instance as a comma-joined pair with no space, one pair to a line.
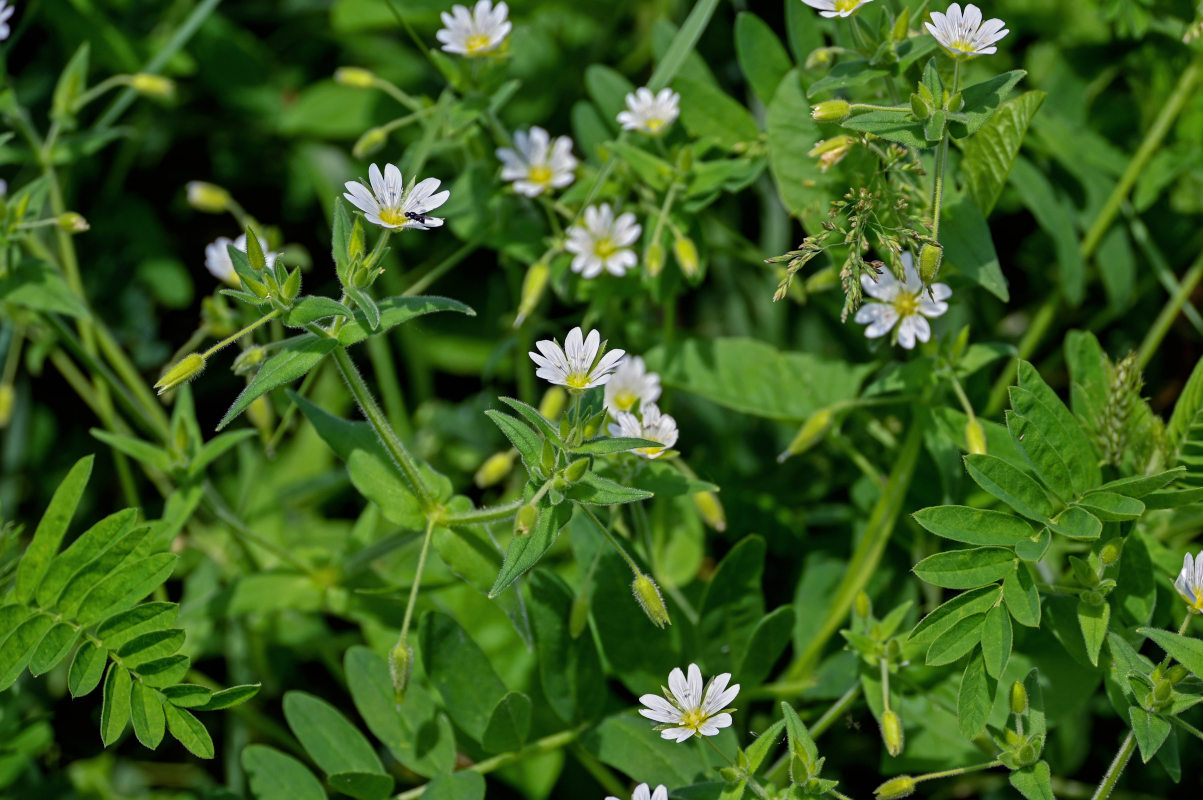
152,85
930,256
208,197
895,788
495,469
653,258
248,360
710,508
525,519
1111,552
370,142
73,222
8,397
532,289
831,110
891,733
648,595
863,605
553,402
810,434
182,371
400,667
578,616
576,470
920,107
355,77
975,437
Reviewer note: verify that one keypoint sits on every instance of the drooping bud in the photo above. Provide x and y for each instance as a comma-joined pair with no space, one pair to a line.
576,470
8,398
578,615
183,371
831,151
653,258
648,595
152,85
863,605
495,469
730,775
810,434
525,519
400,667
891,732
975,437
73,222
686,253
930,256
831,110
355,77
532,289
710,508
895,788
1019,698
259,412
208,197
248,360
371,141
553,402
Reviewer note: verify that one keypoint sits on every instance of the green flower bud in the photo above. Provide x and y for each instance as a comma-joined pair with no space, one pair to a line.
1176,674
292,286
648,595
930,256
355,243
1092,598
831,110
891,733
975,437
183,371
547,459
1012,738
710,509
821,57
920,107
730,774
259,412
578,615
686,253
653,258
73,222
8,398
863,605
152,85
1027,755
207,197
370,142
576,470
1111,552
810,434
553,402
902,24
532,289
354,77
525,519
495,469
895,788
894,651
400,667
1019,698
1162,691
248,360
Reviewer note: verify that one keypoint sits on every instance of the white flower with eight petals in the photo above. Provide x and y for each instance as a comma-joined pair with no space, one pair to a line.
388,204
964,35
1190,582
475,32
686,709
631,384
603,242
537,162
218,262
655,426
906,304
576,364
644,792
836,8
650,113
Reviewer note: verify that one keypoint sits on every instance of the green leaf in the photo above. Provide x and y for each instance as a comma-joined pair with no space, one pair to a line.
165,672
1151,731
115,708
892,125
508,724
604,445
461,672
989,154
981,101
1042,455
135,448
125,586
1022,597
550,431
293,361
1111,507
1141,485
54,647
569,669
966,569
1045,411
1011,485
1136,595
732,605
955,642
18,647
768,641
969,247
187,695
87,668
801,743
1077,523
595,490
966,604
710,113
71,84
278,776
396,311
150,646
313,308
525,551
1186,410
49,534
118,629
761,55
463,785
973,699
228,698
108,546
625,743
608,89
1185,650
146,712
38,286
996,641
974,525
763,746
791,134
189,731
682,44
362,785
525,441
1033,782
333,743
216,447
1034,722
1055,214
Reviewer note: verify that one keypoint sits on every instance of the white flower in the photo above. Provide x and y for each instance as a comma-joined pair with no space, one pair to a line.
644,792
631,384
1190,582
388,205
964,35
6,13
836,8
908,304
537,163
658,427
650,113
576,364
603,242
685,709
217,258
475,32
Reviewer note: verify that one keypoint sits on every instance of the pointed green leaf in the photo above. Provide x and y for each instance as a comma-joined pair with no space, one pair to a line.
228,698
989,154
966,569
956,641
974,525
508,724
115,707
54,647
966,604
333,743
1186,650
187,695
18,647
121,628
762,57
595,490
86,670
1034,782
996,641
146,712
1011,485
461,672
125,586
973,699
293,361
1022,596
189,731
1112,507
1094,621
49,534
569,669
1151,731
150,647
278,776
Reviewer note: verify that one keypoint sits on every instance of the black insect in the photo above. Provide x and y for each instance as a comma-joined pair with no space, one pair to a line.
416,217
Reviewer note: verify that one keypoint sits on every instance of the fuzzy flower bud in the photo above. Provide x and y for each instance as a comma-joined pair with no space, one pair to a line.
354,77
183,371
553,402
248,360
578,615
653,258
576,470
648,595
208,197
831,110
863,605
831,151
532,289
400,667
930,257
155,86
8,397
686,253
1019,698
259,412
810,434
975,437
1111,552
73,222
895,788
494,470
891,732
525,519
371,141
821,57
710,508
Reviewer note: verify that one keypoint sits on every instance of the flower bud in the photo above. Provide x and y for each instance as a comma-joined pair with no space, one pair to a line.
248,360
1092,598
73,222
525,519
653,258
553,402
820,57
259,412
686,253
831,151
354,77
930,256
1019,698
1162,691
648,595
371,141
292,286
495,469
152,85
400,667
1176,674
831,110
920,107
902,24
730,775
532,289
1111,552
710,508
547,458
810,434
1027,755
207,197
576,470
975,437
895,788
8,398
183,371
863,605
891,732
355,243
578,615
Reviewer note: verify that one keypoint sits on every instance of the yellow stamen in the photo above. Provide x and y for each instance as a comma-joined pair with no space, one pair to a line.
846,5
540,174
604,248
392,216
906,304
476,43
693,719
624,399
577,380
654,124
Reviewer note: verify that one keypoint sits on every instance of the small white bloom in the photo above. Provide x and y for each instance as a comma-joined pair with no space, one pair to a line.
836,8
576,364
685,709
475,32
388,204
650,113
217,258
1190,582
906,304
537,162
644,792
658,427
6,13
964,35
603,242
631,384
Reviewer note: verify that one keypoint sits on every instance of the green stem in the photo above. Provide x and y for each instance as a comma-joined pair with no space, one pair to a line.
235,337
606,531
1116,769
950,773
482,515
937,196
417,583
394,91
1169,313
874,107
777,772
440,269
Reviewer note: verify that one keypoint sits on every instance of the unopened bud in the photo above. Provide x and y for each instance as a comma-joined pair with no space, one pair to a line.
371,141
1176,674
532,289
710,508
248,360
1092,598
1019,698
930,256
73,222
1011,738
400,667
831,151
355,77
891,732
730,775
1111,552
895,788
810,434
259,412
355,243
686,253
1163,690
902,24
553,402
920,107
1027,755
525,519
863,605
183,371
495,469
653,258
648,595
576,470
208,197
152,85
831,110
8,398
821,57
975,437
578,615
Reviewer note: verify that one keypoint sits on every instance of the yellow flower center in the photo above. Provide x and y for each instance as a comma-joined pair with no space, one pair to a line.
392,216
577,380
906,304
654,124
962,46
624,399
540,174
604,248
476,43
693,719
846,5
650,452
